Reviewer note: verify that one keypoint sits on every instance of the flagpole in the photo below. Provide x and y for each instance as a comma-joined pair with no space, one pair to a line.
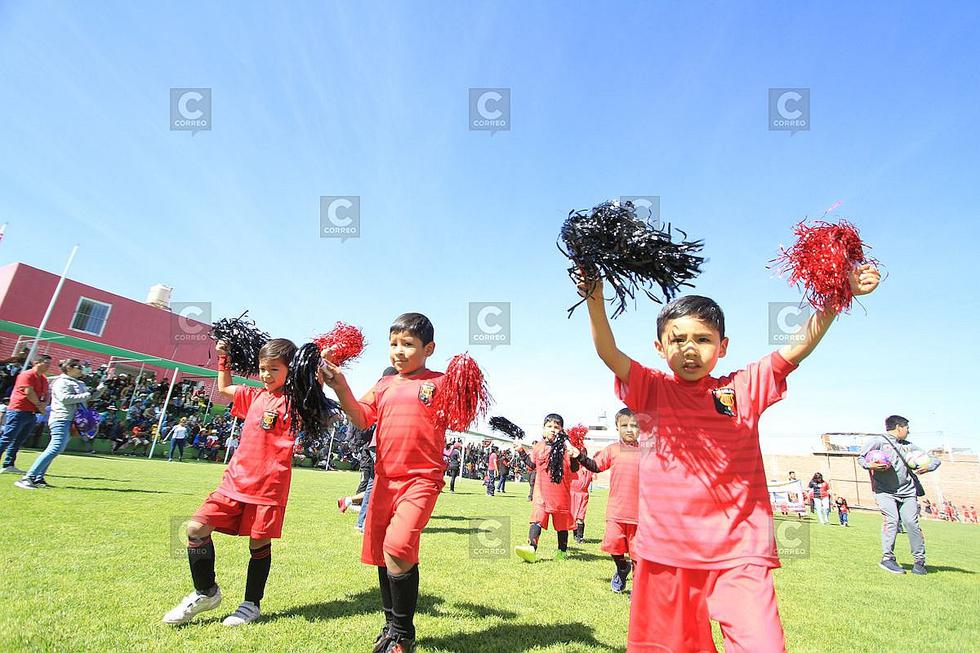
47,313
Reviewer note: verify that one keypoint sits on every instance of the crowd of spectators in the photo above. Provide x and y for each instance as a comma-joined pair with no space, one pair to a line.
477,454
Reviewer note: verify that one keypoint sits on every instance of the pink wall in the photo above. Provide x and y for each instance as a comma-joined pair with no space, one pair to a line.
25,292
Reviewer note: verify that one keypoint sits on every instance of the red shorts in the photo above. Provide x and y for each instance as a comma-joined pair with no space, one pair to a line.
234,517
671,607
398,511
562,521
618,539
580,503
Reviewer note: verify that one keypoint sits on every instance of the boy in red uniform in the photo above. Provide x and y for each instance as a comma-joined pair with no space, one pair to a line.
622,509
580,499
705,546
408,471
551,500
251,499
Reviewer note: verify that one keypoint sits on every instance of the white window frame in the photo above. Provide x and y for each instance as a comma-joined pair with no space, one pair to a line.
81,299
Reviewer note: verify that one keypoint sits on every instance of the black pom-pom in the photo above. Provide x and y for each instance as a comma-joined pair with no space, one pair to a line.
556,458
309,408
611,243
507,427
244,342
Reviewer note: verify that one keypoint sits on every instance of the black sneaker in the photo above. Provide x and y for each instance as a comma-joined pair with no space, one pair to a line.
919,569
382,640
892,566
401,644
40,482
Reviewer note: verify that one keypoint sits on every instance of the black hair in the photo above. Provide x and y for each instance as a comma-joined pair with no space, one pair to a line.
41,358
623,412
815,477
894,421
280,348
68,363
555,417
703,308
415,324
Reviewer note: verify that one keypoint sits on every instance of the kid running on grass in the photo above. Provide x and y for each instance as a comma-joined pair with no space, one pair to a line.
552,496
623,458
581,481
705,546
251,499
408,471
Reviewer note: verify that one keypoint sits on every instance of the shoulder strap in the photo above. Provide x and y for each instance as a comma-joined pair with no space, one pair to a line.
897,450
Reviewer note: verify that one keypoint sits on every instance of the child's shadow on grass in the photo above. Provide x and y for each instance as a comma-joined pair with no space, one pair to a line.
513,638
123,489
451,518
91,478
451,529
944,568
368,601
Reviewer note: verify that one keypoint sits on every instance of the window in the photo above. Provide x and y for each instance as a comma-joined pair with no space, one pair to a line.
90,316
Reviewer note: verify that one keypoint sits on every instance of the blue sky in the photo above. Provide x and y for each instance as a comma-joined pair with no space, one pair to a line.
618,99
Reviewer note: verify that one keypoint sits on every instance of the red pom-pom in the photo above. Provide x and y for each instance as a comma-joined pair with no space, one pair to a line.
344,342
463,397
821,261
576,435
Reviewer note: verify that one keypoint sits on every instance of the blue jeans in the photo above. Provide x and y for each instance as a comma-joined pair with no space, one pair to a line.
17,425
179,444
60,435
361,516
501,482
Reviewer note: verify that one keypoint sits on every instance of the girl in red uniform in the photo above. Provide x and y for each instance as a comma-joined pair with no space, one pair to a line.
580,499
552,496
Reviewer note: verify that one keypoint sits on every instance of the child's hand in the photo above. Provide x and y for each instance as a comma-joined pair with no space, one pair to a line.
864,279
221,347
584,283
330,374
573,452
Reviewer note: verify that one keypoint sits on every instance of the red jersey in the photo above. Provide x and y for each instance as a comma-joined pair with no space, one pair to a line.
261,469
624,481
409,442
18,398
703,493
581,480
551,497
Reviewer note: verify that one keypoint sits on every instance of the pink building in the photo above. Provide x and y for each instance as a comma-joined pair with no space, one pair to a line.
101,327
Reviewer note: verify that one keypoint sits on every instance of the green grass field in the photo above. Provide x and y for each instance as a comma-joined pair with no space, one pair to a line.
92,566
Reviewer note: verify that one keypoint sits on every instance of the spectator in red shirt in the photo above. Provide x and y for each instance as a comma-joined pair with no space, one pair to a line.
622,510
820,491
409,470
29,397
704,541
251,499
491,480
552,496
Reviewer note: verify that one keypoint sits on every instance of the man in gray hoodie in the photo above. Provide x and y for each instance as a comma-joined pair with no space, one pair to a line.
896,488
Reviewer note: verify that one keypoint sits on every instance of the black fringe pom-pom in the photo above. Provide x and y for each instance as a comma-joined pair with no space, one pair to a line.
556,458
611,243
309,408
507,427
244,342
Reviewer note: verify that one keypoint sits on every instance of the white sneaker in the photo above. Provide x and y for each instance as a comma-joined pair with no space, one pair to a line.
26,484
246,613
12,470
192,605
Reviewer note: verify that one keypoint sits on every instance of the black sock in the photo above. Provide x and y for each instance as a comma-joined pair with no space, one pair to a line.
563,540
404,600
258,573
623,567
534,534
385,586
200,554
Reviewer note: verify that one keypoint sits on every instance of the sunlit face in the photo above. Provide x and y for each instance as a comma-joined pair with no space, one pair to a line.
42,366
272,373
902,432
551,430
75,371
691,347
629,429
407,353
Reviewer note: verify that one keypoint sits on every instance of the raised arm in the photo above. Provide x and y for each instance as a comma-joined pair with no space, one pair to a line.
334,378
864,279
225,386
602,335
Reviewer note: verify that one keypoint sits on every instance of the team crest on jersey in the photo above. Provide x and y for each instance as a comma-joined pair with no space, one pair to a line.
724,401
426,391
269,418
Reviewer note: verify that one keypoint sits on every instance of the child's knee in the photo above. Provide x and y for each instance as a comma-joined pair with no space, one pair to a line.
198,531
254,543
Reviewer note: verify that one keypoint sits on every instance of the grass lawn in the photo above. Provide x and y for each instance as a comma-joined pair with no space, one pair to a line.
91,566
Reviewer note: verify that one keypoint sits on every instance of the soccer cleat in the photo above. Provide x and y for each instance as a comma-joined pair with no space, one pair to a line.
382,640
343,503
192,605
526,553
617,584
246,613
892,566
561,555
919,569
400,644
26,484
